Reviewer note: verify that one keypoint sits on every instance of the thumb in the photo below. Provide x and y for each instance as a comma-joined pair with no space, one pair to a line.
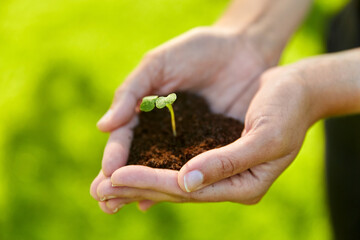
217,164
137,85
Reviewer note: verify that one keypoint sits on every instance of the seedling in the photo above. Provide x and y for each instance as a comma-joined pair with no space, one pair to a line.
148,103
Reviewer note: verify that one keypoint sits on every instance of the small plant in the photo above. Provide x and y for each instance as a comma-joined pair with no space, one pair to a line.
149,102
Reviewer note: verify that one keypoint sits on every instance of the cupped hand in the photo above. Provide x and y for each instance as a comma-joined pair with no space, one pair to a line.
275,126
221,66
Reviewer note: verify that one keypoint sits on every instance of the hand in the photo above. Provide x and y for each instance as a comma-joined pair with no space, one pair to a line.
289,101
275,125
221,66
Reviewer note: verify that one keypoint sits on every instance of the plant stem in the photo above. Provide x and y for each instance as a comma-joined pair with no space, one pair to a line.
172,118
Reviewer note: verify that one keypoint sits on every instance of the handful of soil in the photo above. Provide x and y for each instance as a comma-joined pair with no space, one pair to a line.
198,130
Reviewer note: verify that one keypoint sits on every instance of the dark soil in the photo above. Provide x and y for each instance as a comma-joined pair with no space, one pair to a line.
198,130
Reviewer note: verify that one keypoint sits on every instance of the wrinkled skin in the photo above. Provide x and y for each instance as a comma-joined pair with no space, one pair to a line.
229,72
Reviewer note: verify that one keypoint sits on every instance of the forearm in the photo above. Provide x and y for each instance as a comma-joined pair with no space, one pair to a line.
333,81
269,23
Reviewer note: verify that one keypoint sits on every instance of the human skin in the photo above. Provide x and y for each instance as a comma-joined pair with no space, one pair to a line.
224,61
290,99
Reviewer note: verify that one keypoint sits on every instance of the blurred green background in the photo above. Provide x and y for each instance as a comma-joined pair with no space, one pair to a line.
60,62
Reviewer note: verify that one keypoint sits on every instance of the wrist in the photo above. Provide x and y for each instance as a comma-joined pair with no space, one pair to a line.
268,45
333,83
268,50
262,23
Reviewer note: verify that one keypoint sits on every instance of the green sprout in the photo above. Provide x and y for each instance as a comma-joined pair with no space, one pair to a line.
149,102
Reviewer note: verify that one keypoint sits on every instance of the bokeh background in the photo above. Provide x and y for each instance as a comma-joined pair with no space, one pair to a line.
60,62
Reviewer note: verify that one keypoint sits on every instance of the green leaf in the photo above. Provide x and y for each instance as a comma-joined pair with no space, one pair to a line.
170,99
148,103
161,102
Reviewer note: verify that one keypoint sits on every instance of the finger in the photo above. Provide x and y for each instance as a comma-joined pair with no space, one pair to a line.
105,209
106,191
217,164
117,148
247,187
94,185
146,178
145,205
137,85
243,188
240,188
116,204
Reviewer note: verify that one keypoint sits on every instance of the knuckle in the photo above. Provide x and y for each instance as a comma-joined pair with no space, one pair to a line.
226,165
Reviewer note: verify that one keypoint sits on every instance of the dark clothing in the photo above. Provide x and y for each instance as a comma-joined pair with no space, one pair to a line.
343,140
344,31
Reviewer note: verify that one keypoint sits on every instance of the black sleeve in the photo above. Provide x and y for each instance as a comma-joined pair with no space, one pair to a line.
343,140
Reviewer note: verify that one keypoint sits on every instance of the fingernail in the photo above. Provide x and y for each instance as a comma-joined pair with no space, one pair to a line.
106,117
118,208
107,198
193,180
114,185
